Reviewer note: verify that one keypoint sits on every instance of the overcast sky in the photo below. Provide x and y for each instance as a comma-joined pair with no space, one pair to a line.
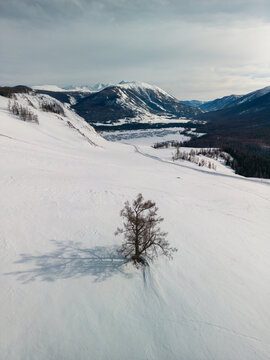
194,49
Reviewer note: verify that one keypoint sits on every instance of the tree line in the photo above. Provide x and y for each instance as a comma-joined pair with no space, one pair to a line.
250,159
24,113
52,107
193,156
248,163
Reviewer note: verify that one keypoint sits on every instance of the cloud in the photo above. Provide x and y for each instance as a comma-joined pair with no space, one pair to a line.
192,49
196,10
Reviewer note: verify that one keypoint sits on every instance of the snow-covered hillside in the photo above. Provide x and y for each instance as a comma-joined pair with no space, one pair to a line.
65,294
67,128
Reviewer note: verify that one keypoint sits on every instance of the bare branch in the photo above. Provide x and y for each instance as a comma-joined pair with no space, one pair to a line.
143,238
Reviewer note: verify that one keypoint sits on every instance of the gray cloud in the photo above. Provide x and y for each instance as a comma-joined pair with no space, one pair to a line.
196,10
200,48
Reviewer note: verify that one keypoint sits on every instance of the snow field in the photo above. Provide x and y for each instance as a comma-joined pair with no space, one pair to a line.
64,293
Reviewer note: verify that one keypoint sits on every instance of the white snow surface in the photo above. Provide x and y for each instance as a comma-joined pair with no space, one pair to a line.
48,88
142,86
87,88
65,294
72,88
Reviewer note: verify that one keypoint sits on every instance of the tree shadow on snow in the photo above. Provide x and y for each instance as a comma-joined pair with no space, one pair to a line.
70,260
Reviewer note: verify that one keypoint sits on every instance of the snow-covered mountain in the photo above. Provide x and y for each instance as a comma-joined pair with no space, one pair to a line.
65,294
48,88
71,88
252,96
228,101
246,117
122,103
234,100
132,102
219,104
87,88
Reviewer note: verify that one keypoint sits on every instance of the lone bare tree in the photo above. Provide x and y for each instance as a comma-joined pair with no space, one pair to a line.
143,238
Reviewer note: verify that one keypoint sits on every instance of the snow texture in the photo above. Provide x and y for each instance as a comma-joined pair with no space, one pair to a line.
66,294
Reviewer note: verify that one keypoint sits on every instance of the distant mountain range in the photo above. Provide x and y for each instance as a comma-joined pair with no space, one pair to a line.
123,103
254,106
234,116
194,103
227,101
248,119
237,118
72,88
213,105
238,122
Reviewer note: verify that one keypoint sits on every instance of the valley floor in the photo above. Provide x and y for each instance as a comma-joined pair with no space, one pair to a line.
64,293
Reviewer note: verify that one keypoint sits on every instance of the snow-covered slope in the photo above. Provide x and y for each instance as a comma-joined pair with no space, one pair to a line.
65,128
143,87
66,295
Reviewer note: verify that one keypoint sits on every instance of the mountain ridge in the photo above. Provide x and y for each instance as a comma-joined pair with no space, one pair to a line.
132,101
228,100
